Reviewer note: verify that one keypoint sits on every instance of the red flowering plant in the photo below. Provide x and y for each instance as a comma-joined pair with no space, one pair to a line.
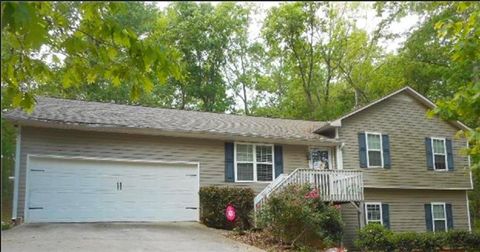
296,216
313,194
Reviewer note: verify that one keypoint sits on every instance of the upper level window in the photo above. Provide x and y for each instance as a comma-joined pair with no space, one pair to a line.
439,151
374,213
253,162
374,150
439,217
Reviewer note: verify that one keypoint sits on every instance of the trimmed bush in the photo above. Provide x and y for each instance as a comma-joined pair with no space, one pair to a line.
430,241
457,239
375,237
296,216
214,200
406,242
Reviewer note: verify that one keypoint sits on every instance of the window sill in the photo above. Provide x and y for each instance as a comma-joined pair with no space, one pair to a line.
260,182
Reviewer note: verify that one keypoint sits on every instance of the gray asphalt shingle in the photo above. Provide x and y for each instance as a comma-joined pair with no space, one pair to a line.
108,115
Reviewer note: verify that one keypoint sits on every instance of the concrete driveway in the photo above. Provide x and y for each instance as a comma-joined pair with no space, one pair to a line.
182,236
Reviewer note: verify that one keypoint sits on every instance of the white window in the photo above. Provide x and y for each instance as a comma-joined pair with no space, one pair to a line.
439,154
374,213
254,162
374,149
439,217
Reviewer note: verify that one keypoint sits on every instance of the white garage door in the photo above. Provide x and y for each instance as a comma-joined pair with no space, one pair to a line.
75,190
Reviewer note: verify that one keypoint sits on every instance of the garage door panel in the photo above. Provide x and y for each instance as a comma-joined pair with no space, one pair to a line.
62,190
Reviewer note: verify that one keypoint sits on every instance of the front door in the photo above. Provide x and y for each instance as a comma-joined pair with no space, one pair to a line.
320,158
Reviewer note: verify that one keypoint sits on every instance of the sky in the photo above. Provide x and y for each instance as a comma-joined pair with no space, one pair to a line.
365,19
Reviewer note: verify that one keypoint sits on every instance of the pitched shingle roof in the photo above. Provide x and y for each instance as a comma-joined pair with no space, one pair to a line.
96,115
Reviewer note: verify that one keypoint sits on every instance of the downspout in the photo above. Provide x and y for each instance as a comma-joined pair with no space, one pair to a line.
468,212
16,177
466,191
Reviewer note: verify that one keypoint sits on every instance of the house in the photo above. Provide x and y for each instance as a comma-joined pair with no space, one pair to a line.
386,162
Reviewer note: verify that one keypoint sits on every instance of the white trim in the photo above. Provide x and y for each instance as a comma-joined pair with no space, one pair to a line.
16,181
444,214
93,158
469,166
468,212
338,151
366,212
254,162
427,102
339,156
151,161
381,149
445,152
419,187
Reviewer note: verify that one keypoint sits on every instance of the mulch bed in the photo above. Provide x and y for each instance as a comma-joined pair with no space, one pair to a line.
259,239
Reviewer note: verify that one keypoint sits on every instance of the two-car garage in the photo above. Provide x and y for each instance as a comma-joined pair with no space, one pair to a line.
78,189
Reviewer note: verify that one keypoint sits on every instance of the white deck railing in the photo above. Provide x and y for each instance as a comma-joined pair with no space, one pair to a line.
332,185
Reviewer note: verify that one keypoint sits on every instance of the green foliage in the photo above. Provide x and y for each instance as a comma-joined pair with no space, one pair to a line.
462,239
213,203
203,33
374,237
95,47
296,219
7,165
463,31
5,225
430,241
405,242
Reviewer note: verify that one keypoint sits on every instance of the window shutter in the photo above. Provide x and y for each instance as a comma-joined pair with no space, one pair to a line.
386,151
229,166
278,160
448,209
362,150
448,143
428,149
386,215
428,217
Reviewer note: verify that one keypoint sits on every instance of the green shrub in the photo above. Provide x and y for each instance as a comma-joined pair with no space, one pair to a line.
430,241
213,202
457,239
405,242
297,216
473,241
5,225
375,237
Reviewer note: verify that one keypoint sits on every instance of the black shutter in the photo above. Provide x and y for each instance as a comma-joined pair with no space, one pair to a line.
386,152
428,149
362,150
278,160
448,143
386,215
229,166
428,217
448,209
